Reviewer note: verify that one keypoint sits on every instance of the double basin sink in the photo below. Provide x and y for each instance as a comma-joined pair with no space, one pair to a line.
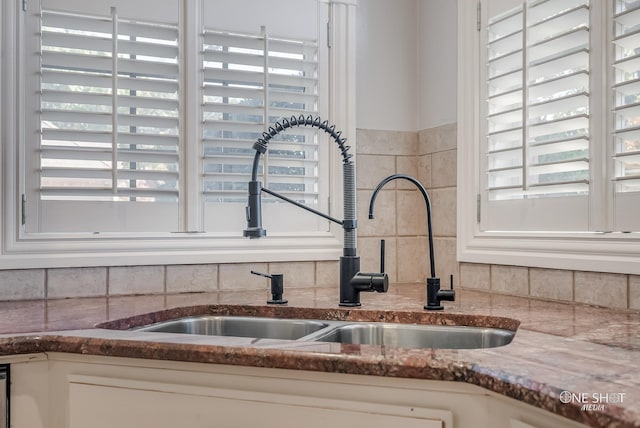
345,332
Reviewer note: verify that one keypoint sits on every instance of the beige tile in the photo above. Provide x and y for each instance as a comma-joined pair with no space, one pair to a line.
407,165
369,252
238,276
412,259
384,221
602,289
191,278
444,166
136,280
327,273
475,275
551,284
443,211
510,279
424,170
22,284
446,261
378,142
634,292
437,139
296,274
411,213
76,282
372,169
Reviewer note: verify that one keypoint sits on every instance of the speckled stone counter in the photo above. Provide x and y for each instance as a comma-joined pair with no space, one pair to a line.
558,347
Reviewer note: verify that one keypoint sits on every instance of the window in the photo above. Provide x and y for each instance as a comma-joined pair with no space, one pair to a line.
537,109
553,125
238,95
107,138
136,122
235,103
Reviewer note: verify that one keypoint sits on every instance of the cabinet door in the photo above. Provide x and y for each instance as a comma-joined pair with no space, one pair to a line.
100,402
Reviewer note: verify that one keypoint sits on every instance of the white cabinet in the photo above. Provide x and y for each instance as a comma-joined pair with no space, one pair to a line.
79,391
115,402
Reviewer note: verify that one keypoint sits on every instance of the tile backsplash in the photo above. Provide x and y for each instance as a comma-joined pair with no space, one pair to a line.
56,283
400,219
400,211
592,288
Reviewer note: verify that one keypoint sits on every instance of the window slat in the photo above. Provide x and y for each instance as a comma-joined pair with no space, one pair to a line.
104,193
78,22
56,41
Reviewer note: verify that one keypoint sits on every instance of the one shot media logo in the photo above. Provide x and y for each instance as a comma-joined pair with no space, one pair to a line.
592,401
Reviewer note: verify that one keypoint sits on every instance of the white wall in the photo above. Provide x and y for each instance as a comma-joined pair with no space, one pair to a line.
437,62
406,64
387,65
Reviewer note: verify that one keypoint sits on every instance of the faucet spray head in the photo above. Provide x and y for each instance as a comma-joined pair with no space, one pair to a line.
254,212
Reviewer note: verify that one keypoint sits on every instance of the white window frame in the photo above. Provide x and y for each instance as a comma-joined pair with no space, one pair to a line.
23,250
586,251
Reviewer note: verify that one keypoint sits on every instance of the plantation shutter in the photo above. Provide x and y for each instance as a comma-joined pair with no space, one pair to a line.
536,125
109,108
251,80
626,113
237,106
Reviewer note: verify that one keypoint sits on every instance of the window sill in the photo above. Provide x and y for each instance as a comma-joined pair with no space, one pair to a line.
190,249
596,252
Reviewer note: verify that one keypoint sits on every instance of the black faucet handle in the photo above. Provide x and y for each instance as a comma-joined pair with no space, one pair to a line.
450,294
380,282
367,281
382,250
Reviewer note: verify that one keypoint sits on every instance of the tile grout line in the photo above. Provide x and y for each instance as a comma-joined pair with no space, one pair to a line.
164,279
108,280
628,291
46,284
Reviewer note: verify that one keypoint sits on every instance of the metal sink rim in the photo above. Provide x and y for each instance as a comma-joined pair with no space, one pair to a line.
417,336
259,327
332,327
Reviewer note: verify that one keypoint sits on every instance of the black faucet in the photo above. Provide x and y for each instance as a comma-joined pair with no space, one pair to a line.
352,281
434,294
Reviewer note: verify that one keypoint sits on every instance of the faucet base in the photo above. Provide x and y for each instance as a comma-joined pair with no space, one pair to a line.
435,295
350,304
349,267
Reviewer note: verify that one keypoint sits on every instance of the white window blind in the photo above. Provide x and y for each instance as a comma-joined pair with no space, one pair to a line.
257,71
537,113
250,82
539,147
626,111
131,128
109,120
548,131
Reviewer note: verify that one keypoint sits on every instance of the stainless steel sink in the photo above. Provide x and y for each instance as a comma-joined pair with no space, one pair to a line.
347,332
262,328
418,336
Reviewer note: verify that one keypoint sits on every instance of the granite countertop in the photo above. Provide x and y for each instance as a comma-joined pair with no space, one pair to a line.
558,347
